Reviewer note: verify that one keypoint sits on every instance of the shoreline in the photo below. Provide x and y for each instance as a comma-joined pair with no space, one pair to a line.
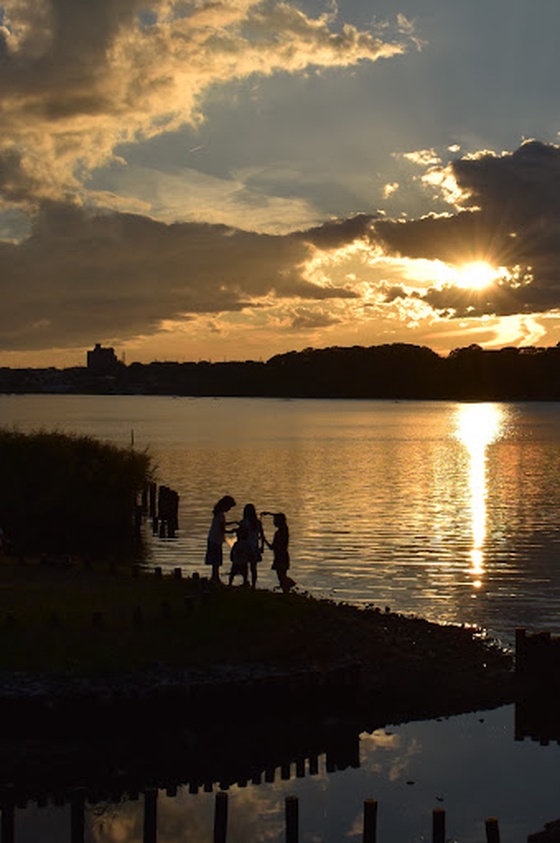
202,642
224,685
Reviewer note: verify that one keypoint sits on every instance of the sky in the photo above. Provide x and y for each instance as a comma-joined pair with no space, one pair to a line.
206,180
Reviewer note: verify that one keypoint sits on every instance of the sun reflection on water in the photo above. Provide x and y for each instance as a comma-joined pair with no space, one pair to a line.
478,425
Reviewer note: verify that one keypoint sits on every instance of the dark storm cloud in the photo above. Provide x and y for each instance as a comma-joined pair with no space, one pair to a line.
511,218
337,233
120,275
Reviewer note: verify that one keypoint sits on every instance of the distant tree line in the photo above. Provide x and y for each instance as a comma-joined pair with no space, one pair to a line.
394,371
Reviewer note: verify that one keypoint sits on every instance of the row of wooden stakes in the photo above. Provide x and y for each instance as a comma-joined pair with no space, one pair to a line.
369,828
369,833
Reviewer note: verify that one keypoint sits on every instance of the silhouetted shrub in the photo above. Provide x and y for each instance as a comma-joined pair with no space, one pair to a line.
69,494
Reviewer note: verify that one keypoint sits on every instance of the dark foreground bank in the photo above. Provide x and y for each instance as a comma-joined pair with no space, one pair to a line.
114,680
118,636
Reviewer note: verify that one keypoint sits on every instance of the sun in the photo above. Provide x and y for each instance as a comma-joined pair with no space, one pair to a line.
475,275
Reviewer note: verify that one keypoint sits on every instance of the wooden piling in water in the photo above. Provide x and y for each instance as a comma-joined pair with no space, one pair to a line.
292,819
150,815
438,825
370,821
492,830
220,817
77,816
8,814
152,496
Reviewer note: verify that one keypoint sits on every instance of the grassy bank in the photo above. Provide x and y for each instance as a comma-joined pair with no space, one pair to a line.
88,621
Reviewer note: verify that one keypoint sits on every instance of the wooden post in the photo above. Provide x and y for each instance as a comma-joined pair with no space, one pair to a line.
177,573
152,494
492,830
438,825
292,819
158,572
520,651
150,815
370,821
8,815
77,824
220,817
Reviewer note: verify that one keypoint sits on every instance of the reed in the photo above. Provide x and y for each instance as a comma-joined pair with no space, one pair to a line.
65,493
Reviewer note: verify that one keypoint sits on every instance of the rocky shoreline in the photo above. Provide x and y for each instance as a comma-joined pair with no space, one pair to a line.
226,714
353,662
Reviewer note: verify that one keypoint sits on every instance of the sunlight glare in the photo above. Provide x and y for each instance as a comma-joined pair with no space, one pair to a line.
478,426
476,275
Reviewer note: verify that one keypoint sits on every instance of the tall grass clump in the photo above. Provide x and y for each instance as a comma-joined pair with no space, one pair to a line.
65,493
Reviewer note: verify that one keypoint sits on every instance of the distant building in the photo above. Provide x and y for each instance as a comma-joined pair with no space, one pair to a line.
102,361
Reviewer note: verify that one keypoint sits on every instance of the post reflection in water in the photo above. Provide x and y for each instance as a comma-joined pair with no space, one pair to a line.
478,425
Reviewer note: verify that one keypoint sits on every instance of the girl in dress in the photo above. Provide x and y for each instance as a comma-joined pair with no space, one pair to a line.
279,546
217,536
255,533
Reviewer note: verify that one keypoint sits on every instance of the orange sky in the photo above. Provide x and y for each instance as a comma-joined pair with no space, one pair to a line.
207,180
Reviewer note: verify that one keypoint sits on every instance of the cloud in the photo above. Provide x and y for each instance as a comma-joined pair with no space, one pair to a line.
80,276
310,319
510,216
78,79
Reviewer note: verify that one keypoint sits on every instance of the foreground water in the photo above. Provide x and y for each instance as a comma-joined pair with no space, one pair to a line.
470,766
449,511
444,510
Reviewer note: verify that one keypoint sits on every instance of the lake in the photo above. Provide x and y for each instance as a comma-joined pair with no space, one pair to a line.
445,510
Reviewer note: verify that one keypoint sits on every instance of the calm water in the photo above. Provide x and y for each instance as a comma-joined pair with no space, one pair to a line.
444,510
